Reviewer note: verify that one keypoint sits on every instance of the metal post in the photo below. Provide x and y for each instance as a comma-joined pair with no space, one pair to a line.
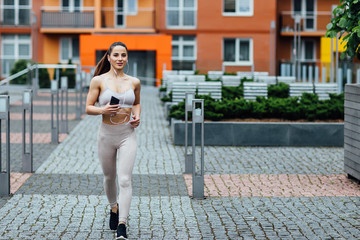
304,73
78,96
337,57
316,74
310,74
188,107
54,126
135,69
332,61
358,76
64,90
348,76
323,75
339,80
198,177
27,159
5,175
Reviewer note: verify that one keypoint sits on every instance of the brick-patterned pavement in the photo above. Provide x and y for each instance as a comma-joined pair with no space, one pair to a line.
252,192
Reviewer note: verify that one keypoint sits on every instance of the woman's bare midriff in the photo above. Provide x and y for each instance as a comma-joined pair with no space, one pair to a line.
122,117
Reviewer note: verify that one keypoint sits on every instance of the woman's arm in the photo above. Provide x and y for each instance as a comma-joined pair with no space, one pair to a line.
136,109
92,97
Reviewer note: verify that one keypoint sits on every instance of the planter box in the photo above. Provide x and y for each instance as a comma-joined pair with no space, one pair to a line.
352,131
262,134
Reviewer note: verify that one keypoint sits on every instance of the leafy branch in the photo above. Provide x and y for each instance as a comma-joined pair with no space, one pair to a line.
346,21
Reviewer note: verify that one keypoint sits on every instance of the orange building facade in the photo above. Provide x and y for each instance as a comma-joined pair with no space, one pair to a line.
228,35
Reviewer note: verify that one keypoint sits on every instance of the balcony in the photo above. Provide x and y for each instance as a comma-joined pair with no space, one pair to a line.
311,23
93,20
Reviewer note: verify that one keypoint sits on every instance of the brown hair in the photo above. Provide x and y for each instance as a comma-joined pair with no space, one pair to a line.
103,65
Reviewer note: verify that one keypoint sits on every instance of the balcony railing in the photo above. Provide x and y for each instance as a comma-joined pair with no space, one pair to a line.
62,19
144,18
309,21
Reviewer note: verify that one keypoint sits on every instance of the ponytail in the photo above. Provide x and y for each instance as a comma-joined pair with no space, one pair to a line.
103,65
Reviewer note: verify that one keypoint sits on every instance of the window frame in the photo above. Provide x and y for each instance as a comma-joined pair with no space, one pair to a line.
61,59
181,10
16,6
181,43
72,7
237,62
303,50
304,16
16,56
238,13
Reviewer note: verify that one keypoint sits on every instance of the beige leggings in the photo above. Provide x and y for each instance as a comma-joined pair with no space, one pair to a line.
110,139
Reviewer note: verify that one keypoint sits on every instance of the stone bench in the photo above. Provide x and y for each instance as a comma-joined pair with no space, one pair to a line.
255,89
323,90
230,81
215,75
210,88
297,89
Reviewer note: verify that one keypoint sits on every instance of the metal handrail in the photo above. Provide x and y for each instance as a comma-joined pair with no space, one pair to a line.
31,67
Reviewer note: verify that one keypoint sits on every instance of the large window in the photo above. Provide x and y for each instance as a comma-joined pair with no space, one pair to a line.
71,5
306,8
181,13
15,12
238,51
13,48
183,52
69,49
238,7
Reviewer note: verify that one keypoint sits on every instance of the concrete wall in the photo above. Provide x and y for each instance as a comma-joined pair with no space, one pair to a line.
263,134
352,131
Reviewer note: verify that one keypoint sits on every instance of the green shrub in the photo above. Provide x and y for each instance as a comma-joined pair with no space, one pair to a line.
167,98
307,107
71,75
44,77
19,66
280,90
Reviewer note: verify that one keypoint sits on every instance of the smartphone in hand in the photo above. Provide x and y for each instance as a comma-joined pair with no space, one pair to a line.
114,100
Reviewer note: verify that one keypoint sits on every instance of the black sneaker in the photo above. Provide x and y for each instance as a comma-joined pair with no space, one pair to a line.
114,219
121,232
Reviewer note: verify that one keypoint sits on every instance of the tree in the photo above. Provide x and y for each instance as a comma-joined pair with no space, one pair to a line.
346,21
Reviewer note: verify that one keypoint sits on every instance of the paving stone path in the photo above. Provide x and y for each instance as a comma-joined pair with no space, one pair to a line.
251,192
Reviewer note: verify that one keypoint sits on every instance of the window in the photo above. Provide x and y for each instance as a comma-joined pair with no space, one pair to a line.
15,12
183,52
181,13
306,8
13,48
71,5
238,8
69,49
308,50
238,51
131,7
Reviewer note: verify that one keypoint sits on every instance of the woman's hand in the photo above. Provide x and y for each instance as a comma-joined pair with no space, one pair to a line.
110,109
135,122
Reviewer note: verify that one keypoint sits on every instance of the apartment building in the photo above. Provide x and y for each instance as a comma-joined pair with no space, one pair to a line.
300,39
229,35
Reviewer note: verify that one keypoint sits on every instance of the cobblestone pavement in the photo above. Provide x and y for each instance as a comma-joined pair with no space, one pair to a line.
252,192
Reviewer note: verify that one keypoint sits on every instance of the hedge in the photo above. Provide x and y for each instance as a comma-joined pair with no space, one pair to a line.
308,107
